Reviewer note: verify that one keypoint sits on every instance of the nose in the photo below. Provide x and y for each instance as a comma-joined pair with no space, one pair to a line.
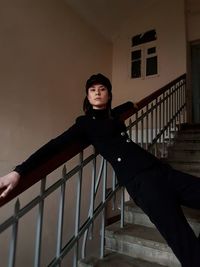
98,92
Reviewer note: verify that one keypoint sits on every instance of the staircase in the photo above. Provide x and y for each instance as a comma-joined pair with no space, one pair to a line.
139,244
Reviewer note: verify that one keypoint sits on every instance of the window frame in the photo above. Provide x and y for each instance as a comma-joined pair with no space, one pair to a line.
144,56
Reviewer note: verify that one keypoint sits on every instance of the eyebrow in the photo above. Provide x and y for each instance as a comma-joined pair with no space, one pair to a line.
101,85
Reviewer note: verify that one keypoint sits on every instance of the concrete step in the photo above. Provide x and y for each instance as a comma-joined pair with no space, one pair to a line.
183,160
134,215
185,145
140,242
189,126
183,154
192,135
116,260
191,167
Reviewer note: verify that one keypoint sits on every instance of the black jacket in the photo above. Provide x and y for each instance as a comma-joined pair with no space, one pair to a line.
107,133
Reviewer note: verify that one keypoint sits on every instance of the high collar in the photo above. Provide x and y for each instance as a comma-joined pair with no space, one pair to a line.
99,113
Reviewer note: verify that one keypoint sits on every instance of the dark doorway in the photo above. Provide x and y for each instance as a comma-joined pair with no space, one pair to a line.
195,60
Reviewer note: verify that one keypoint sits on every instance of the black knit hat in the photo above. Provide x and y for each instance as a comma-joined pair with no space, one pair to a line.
98,79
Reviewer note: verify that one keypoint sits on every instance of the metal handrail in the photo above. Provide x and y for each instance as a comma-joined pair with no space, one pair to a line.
152,126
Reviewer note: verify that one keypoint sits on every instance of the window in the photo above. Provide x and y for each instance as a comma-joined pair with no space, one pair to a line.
144,59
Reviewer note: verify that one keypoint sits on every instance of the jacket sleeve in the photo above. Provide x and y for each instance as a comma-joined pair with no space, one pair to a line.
119,110
54,146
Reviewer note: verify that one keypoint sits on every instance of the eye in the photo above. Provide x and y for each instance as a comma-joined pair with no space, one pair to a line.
92,89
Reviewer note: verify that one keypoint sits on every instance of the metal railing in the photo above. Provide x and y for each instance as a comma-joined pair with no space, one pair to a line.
153,126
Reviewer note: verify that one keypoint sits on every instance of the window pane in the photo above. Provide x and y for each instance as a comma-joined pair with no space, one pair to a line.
151,50
151,66
136,54
145,37
136,69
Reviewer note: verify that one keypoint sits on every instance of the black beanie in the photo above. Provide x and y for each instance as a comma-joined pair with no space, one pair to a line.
98,79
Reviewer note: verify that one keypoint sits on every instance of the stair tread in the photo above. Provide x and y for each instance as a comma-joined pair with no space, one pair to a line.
118,260
191,214
139,234
175,148
183,160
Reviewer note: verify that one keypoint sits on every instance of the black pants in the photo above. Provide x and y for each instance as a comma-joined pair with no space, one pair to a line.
160,192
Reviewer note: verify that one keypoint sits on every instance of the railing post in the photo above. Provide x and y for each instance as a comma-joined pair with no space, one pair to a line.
61,215
103,211
39,225
147,127
13,243
77,217
122,208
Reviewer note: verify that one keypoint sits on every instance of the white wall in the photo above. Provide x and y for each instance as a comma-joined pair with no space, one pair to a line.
168,19
47,52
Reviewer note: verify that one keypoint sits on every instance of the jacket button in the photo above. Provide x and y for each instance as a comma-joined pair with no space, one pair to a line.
94,117
123,133
119,159
128,140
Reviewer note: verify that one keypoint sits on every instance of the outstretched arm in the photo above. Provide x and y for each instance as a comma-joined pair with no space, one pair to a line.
8,183
46,152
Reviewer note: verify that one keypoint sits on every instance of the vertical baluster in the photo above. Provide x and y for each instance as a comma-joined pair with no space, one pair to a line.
130,129
92,198
38,243
182,100
61,215
91,211
156,125
78,204
170,114
122,208
147,127
13,242
179,107
167,113
159,127
142,129
173,108
103,212
113,188
136,128
152,120
163,125
185,108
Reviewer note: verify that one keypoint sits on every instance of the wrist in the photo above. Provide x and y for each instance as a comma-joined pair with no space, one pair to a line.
16,174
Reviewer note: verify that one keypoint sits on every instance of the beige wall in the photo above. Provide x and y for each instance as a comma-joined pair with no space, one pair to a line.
167,18
46,53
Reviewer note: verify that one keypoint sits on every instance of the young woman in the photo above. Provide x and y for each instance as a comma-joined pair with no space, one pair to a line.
157,188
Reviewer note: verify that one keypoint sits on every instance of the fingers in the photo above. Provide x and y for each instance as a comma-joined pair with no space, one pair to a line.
6,191
2,185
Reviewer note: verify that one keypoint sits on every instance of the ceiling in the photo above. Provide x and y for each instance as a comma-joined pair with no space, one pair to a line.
107,15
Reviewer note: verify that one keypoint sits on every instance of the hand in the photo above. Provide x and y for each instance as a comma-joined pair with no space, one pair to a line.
135,105
8,183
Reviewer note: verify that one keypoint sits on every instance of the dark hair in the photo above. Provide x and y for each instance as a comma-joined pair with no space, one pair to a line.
97,79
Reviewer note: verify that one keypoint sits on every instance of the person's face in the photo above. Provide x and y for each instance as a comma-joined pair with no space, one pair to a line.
98,96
